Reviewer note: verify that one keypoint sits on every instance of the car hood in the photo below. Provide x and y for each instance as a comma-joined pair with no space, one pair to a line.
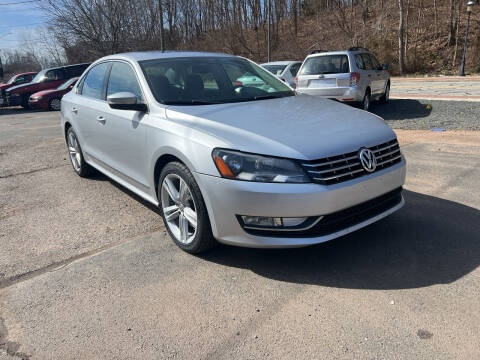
301,127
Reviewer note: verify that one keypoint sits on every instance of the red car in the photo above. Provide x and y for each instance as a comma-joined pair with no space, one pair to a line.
15,80
45,80
50,99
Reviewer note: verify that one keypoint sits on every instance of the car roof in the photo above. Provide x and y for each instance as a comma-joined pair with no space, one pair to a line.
339,52
153,55
27,73
281,62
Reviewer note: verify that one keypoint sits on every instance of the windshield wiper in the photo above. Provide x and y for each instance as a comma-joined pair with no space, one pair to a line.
191,102
266,97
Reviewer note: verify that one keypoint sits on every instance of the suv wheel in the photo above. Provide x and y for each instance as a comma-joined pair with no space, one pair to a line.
386,96
76,155
366,101
183,209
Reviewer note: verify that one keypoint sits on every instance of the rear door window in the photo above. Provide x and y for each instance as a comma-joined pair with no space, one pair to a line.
359,62
375,63
93,84
294,69
326,64
367,61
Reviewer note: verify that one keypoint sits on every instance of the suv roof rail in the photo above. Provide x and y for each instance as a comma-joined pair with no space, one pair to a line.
358,48
317,51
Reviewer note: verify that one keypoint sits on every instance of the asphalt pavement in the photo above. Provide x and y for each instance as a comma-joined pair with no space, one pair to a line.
87,271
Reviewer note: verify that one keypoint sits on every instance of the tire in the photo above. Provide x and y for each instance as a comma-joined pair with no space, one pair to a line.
24,103
367,101
386,95
178,206
76,155
54,104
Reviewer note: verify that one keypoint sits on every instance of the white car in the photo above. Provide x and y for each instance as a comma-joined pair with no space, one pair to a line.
229,162
284,70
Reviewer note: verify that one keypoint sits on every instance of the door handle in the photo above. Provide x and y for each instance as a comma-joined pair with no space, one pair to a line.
75,110
101,120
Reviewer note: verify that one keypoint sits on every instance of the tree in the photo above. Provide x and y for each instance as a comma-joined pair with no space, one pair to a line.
400,37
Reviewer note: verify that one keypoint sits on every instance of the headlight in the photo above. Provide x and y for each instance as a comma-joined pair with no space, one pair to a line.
14,95
250,167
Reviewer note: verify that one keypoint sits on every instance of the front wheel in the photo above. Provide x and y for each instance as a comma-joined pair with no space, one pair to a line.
54,104
183,209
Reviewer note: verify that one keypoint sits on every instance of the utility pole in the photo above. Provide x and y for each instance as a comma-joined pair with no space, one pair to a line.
268,31
162,30
469,12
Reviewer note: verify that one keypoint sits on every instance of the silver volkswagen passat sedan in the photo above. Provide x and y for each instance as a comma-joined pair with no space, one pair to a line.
244,164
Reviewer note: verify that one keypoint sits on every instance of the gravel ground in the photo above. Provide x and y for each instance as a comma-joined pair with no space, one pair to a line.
414,114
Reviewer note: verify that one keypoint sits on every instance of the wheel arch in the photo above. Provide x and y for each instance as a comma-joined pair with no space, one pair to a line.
160,164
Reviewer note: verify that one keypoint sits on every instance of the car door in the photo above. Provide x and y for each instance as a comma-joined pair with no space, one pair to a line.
124,133
380,75
370,73
89,108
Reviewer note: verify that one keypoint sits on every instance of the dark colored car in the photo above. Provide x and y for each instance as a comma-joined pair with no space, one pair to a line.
15,80
45,80
50,99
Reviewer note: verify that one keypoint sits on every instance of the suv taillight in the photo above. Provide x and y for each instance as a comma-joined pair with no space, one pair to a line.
354,78
296,79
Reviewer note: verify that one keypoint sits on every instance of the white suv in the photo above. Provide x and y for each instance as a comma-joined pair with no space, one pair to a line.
353,76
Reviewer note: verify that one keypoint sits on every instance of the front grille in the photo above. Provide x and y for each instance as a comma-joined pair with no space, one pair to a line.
339,168
342,219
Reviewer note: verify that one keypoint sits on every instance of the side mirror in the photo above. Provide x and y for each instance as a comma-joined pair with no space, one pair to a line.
125,101
384,67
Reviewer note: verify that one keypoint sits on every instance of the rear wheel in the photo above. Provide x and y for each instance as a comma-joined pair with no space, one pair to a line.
54,104
76,155
183,209
386,95
366,101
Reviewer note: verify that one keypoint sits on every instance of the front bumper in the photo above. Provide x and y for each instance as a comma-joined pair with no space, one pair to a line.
225,199
350,94
37,104
14,100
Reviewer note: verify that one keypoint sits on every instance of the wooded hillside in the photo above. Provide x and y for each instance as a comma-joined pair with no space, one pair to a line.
432,34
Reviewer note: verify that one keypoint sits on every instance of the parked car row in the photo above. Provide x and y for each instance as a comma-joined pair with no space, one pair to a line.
352,76
42,90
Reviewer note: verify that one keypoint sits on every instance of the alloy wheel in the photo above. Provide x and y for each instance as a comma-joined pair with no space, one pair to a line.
179,208
74,151
55,104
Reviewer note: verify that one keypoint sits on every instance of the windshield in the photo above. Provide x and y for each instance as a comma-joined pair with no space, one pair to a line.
39,77
326,64
275,69
12,79
67,84
210,80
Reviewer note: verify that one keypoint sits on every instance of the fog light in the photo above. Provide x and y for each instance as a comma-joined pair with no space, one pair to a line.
272,222
262,221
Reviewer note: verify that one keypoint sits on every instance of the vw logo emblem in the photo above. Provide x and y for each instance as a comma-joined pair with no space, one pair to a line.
368,160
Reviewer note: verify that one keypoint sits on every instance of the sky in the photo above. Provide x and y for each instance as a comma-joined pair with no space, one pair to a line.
19,21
